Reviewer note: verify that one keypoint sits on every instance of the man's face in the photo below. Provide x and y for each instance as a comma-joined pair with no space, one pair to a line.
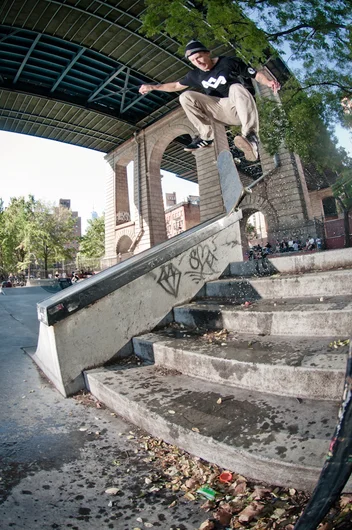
202,60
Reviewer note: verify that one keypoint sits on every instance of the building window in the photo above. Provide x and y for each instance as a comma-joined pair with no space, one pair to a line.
329,206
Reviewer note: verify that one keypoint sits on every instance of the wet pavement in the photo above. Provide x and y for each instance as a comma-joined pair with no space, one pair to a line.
59,456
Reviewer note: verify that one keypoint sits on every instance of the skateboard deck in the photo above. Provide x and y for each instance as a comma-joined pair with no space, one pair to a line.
231,186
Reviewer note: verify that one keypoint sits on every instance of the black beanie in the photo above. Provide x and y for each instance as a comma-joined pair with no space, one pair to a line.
194,46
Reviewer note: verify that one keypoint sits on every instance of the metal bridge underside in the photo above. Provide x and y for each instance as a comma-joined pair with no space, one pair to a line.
70,71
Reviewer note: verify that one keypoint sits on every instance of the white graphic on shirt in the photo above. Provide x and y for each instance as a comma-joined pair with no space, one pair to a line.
214,83
251,70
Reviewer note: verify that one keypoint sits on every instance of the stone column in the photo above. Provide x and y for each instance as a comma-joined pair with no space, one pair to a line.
110,215
148,193
122,206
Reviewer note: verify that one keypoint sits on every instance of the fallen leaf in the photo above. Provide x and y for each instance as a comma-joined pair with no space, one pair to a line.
238,488
171,412
190,496
112,491
325,526
195,429
279,512
219,401
223,514
83,429
292,491
251,511
345,499
148,525
207,506
259,493
192,483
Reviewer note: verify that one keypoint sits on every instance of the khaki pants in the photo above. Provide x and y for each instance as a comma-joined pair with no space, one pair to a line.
238,108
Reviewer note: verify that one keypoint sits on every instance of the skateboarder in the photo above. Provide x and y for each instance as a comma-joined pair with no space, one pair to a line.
227,97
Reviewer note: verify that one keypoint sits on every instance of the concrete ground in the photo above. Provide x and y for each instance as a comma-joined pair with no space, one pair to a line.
58,456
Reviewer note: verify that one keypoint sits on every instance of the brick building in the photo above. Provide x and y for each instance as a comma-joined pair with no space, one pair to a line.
66,203
182,216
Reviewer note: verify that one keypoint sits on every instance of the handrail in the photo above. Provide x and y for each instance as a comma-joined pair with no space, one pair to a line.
85,293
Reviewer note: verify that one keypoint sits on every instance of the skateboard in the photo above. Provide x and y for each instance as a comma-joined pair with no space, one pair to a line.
232,189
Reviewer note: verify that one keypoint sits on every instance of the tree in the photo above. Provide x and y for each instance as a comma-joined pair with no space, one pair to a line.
33,229
15,222
251,231
92,244
301,122
50,236
318,35
342,190
318,32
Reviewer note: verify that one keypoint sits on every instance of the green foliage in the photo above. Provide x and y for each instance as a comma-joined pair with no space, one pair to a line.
342,189
301,122
15,222
317,33
251,231
51,234
210,21
31,230
92,243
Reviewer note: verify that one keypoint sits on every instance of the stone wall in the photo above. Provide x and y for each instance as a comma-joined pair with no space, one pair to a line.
283,197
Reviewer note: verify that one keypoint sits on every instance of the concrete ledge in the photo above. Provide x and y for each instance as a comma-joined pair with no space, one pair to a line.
291,263
93,321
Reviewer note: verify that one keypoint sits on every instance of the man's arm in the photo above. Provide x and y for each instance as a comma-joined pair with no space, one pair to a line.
271,83
166,87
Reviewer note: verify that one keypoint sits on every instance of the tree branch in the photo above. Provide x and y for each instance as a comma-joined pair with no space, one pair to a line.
328,26
347,89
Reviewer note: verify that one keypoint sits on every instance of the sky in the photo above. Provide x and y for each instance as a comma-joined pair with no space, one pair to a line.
52,170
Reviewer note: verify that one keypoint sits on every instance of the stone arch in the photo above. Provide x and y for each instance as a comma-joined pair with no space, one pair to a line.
123,244
254,203
165,136
211,203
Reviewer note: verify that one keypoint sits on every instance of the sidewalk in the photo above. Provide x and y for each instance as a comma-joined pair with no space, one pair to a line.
58,456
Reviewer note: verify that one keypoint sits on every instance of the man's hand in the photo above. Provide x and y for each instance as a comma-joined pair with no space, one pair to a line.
274,85
174,86
271,83
144,89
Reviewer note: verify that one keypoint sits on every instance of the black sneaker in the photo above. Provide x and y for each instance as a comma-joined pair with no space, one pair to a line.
249,145
198,143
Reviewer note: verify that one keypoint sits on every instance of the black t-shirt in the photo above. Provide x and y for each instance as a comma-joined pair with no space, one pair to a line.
217,81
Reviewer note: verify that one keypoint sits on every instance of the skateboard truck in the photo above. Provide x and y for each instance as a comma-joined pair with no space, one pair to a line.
232,189
249,189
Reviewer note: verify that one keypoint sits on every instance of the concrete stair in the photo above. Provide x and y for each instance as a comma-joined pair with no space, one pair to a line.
255,388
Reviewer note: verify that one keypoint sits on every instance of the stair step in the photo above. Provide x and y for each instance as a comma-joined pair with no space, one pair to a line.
279,440
293,316
331,283
302,367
